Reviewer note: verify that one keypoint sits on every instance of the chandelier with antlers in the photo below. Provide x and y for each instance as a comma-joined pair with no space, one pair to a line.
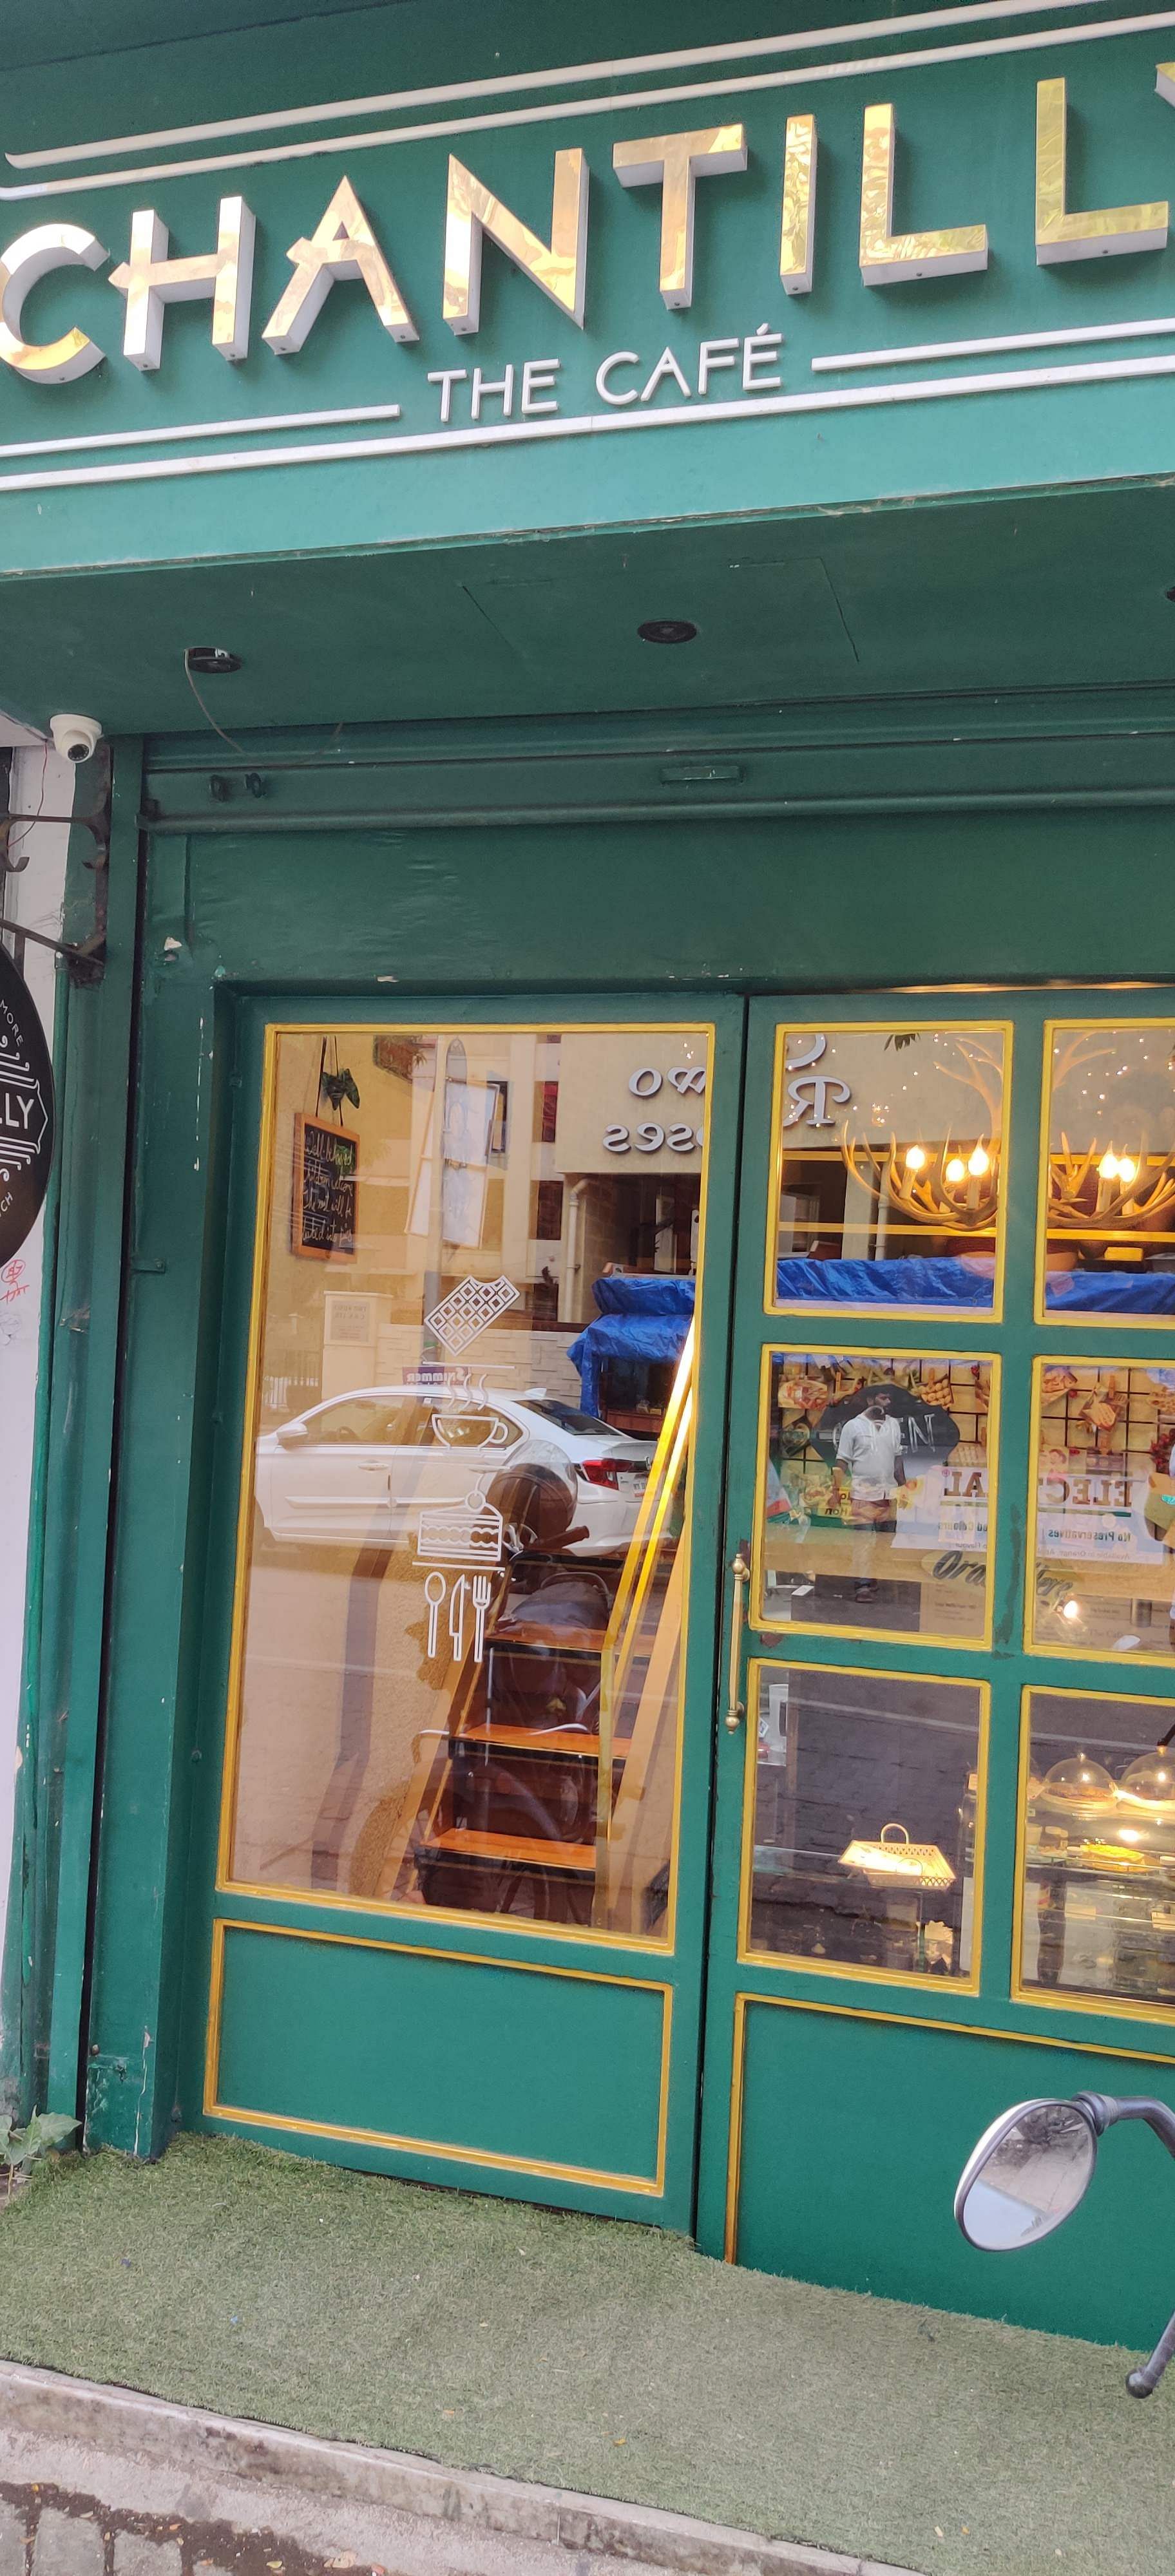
953,1186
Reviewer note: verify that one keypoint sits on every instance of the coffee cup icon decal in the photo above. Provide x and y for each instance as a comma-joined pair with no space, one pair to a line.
470,1430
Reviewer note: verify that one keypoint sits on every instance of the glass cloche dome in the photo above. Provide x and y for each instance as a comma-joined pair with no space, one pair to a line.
1078,1781
1151,1777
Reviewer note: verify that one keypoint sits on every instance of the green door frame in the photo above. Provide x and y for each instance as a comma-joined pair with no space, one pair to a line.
214,1361
229,906
760,2009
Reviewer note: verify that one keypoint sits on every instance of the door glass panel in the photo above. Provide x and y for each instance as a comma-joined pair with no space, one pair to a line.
1110,1241
458,1646
888,1155
1099,1847
1105,1508
874,1493
866,1799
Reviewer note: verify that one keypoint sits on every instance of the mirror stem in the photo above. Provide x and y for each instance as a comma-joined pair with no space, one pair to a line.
1141,2382
1106,2109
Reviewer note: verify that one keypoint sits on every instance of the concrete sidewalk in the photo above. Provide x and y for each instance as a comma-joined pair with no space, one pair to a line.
104,2482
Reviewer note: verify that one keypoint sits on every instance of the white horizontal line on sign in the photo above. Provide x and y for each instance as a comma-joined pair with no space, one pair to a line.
202,429
929,350
626,67
584,424
500,119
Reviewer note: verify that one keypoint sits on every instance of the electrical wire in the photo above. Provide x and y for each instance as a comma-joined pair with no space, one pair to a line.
209,719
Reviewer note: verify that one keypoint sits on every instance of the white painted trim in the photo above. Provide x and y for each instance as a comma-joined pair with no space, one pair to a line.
511,433
202,429
626,67
41,779
923,350
742,87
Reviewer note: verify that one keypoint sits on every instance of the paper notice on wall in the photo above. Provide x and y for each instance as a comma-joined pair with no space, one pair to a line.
946,1507
1084,1518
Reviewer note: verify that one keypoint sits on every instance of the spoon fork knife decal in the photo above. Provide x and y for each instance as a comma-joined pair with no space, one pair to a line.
434,1593
483,1593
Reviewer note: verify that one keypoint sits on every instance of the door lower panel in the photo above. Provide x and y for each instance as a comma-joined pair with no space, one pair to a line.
529,2068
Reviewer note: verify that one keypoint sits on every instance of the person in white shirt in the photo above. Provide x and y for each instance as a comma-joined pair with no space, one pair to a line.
869,1466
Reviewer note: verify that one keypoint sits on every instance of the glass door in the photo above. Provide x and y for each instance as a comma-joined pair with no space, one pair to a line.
458,1696
946,1806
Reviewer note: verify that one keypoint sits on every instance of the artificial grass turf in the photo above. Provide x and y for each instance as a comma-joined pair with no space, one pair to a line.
588,2354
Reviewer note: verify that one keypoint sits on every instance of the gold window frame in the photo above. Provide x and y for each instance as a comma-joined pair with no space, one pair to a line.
1055,1316
1054,1998
797,1962
660,1945
1032,1644
862,1636
825,1311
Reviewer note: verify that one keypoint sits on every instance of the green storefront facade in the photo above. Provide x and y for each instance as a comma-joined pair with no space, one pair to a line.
634,1040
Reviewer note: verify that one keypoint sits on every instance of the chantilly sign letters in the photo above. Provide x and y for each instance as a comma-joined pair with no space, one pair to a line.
687,166
26,1111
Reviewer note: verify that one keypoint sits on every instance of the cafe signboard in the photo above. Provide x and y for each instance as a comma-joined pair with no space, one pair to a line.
918,215
26,1111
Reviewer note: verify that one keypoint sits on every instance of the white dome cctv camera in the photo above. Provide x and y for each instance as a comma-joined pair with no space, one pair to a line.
76,737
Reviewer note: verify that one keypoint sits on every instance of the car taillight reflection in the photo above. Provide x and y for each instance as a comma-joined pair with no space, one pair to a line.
599,1471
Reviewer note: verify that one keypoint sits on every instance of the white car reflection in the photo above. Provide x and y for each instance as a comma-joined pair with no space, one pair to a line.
358,1471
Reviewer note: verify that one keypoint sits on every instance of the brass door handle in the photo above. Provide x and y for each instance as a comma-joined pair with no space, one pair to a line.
736,1707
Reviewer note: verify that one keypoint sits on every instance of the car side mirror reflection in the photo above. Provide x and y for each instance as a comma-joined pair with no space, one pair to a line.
1026,2176
291,1434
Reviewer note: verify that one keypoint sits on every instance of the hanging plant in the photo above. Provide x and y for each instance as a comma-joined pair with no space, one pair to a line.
340,1086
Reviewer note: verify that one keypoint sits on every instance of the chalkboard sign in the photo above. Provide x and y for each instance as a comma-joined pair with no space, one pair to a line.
326,1168
26,1111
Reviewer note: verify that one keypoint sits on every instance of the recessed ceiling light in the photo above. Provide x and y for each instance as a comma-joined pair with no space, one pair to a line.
212,661
667,630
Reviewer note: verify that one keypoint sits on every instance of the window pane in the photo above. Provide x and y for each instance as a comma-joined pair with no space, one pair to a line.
889,1166
1105,1512
1099,1893
865,1801
462,1606
874,1502
1111,1172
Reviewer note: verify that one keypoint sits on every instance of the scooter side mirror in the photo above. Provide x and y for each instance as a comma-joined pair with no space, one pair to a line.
1026,2176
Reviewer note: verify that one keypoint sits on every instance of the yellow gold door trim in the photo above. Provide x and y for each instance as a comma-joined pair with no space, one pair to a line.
651,2186
570,1935
825,1314
906,2021
825,1350
794,1961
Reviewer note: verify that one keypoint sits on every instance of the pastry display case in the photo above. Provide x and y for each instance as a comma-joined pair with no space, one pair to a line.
867,1814
1098,1861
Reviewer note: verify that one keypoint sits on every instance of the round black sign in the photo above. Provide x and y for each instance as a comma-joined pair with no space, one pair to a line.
929,1433
26,1111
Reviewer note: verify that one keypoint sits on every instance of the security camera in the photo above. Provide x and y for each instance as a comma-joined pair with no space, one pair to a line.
76,737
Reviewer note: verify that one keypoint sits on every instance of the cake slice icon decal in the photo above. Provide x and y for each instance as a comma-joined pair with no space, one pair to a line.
468,1533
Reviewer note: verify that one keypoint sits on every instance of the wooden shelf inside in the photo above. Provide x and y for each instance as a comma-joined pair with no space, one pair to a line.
532,1852
532,1739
